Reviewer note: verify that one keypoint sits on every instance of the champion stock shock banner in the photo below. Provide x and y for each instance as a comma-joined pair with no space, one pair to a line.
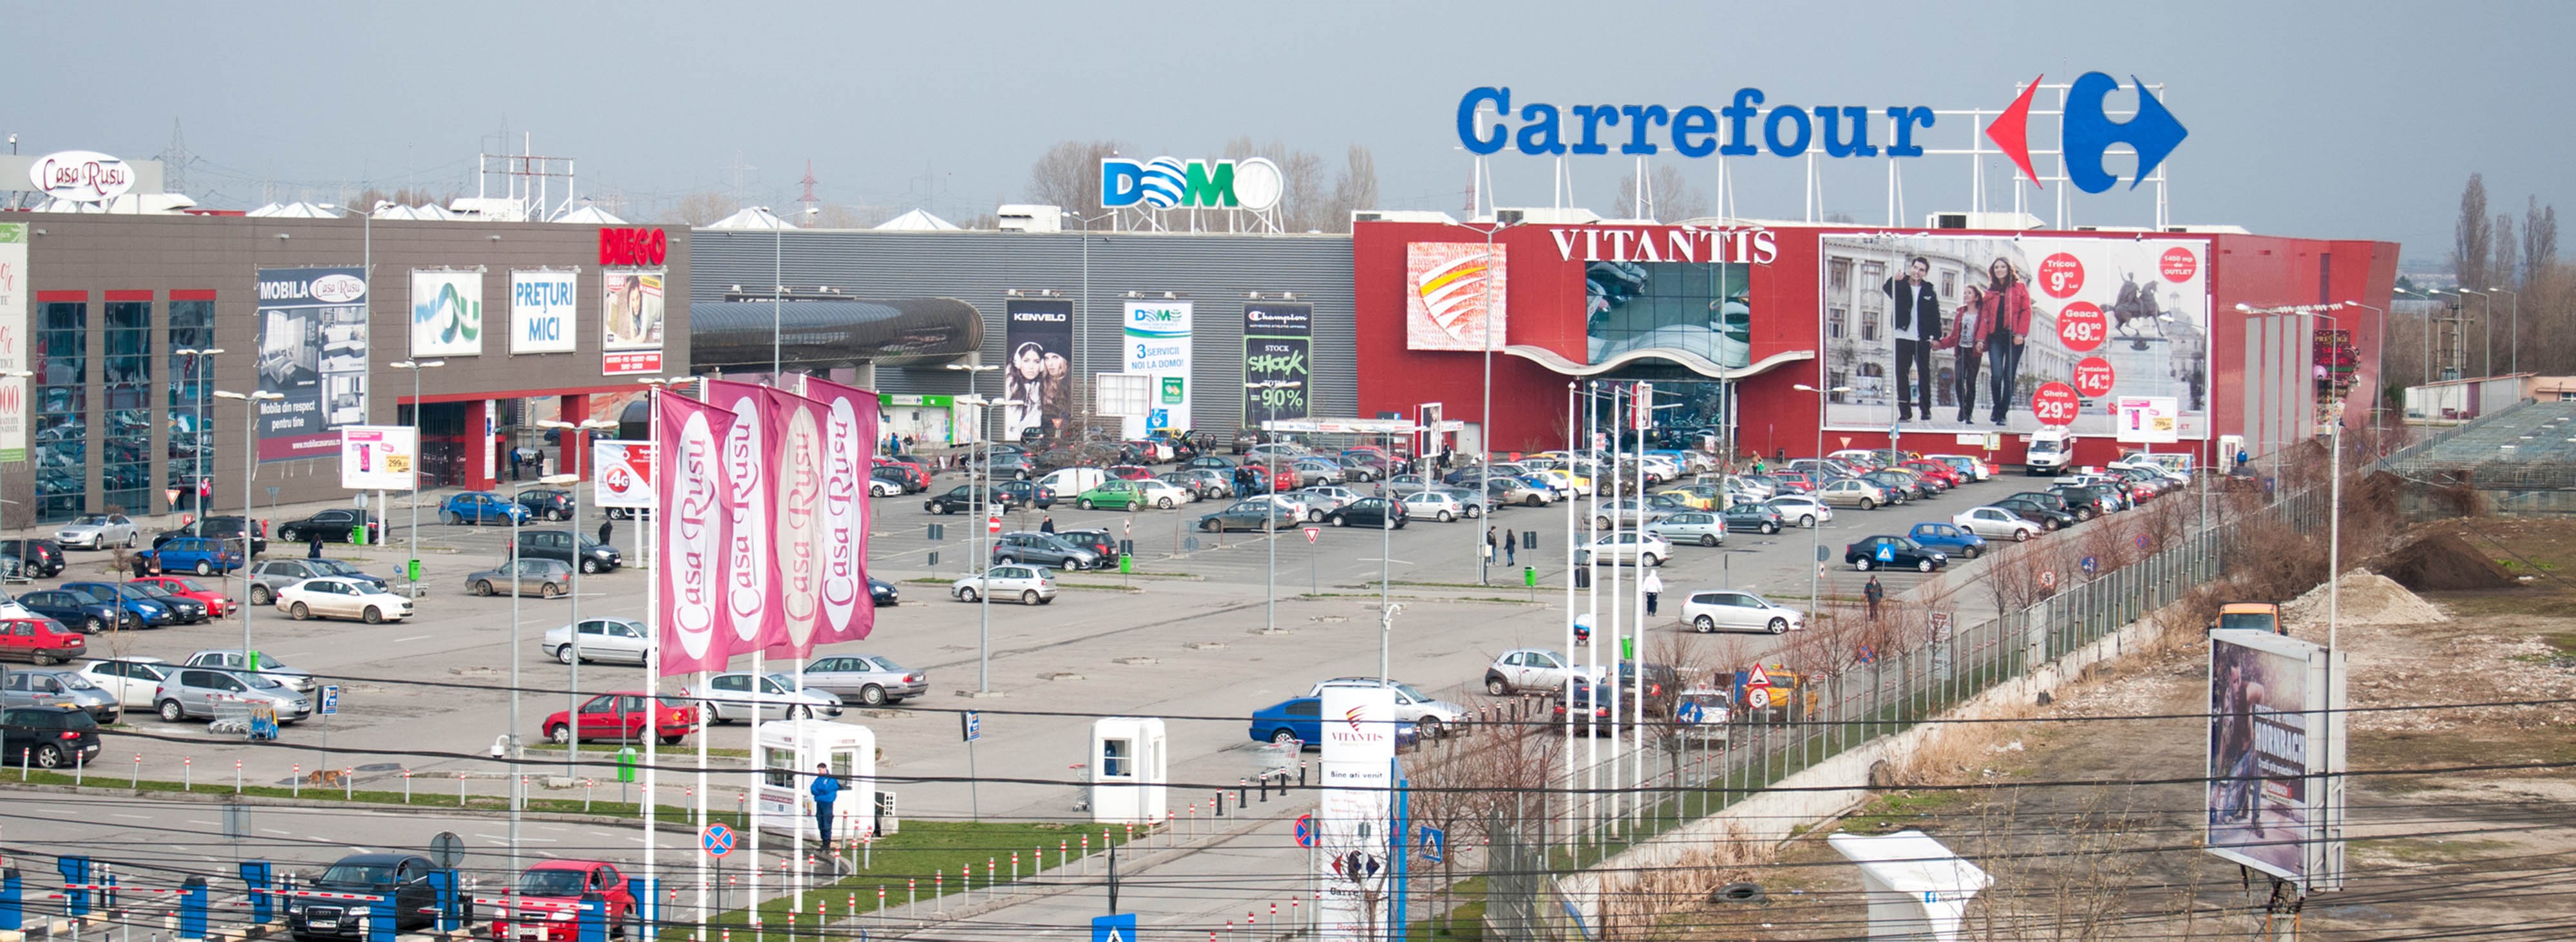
796,532
849,431
689,437
1277,336
752,617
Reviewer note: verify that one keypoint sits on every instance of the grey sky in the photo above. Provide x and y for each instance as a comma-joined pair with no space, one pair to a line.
2318,119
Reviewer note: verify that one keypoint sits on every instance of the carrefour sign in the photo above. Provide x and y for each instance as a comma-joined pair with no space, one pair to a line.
1743,127
1170,182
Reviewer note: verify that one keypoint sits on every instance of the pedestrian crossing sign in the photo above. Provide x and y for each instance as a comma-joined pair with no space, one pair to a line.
1118,928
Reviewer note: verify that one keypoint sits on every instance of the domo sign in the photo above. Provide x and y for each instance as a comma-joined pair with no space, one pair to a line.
1172,183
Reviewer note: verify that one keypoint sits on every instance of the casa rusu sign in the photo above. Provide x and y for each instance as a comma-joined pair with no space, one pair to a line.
633,248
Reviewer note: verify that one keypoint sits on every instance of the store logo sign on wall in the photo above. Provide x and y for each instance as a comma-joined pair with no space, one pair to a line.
1170,182
2086,132
541,311
82,176
446,313
1454,295
633,248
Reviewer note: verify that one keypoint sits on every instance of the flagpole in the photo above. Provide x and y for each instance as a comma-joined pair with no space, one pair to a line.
652,654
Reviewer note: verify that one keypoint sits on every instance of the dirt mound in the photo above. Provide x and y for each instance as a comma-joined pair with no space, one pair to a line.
2368,598
2442,562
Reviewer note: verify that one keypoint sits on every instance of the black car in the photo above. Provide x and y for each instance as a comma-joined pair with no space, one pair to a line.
84,614
1097,541
403,877
333,525
2086,502
883,592
219,528
1893,552
2047,518
50,737
2052,501
545,503
42,559
962,499
570,549
1369,512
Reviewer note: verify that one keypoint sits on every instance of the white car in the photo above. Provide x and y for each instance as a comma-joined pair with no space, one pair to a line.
96,531
1296,505
1996,523
130,679
880,487
729,698
1621,548
1535,669
602,639
1326,498
1727,610
1690,526
1162,494
337,597
1433,505
1802,510
1030,585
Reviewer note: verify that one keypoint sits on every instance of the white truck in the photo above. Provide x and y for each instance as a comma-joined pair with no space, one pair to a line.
2050,451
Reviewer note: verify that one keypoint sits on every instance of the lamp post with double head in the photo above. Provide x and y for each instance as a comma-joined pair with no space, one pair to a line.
984,515
250,463
1815,567
413,554
581,562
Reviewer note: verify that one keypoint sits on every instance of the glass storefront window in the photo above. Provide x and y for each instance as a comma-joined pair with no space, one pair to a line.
192,410
125,466
61,434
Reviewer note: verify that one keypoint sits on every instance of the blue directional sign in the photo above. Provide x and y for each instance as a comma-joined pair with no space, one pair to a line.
1435,844
973,725
717,840
1887,552
2091,564
1118,928
330,699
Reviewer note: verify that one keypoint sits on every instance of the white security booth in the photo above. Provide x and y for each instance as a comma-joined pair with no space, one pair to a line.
1917,889
1129,774
783,767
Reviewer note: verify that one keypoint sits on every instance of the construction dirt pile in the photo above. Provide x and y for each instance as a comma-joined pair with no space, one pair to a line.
2368,598
2442,562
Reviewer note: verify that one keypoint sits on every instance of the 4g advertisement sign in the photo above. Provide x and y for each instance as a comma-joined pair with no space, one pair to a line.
1277,336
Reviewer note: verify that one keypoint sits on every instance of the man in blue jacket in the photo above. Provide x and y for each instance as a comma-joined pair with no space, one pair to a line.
825,789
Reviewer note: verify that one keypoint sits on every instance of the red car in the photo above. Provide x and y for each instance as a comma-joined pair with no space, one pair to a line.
217,606
549,900
915,477
620,716
41,640
1935,469
1129,472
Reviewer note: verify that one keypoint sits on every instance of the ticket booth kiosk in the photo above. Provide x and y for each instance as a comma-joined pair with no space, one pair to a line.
1129,773
783,767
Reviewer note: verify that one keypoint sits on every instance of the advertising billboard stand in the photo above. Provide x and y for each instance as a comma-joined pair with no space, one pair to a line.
2276,757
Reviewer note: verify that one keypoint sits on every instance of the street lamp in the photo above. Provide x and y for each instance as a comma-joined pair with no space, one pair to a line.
250,464
778,285
582,563
410,569
1270,524
198,366
2486,325
1815,571
1485,413
984,502
654,386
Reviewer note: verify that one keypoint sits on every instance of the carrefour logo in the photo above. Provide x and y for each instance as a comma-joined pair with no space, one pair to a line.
2085,132
1170,182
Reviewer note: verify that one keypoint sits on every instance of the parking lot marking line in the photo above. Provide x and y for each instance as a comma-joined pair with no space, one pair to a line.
276,831
503,838
195,821
414,638
137,817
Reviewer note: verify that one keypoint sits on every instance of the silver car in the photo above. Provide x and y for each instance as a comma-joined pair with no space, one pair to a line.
729,698
131,679
61,687
1029,584
1327,499
602,639
192,692
96,531
269,575
269,665
1513,490
1430,715
871,681
546,578
1690,526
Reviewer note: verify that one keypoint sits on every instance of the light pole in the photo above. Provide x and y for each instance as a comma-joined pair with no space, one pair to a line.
778,285
570,482
1270,526
198,366
250,464
985,515
2379,368
410,568
1485,410
1815,567
2513,334
2486,325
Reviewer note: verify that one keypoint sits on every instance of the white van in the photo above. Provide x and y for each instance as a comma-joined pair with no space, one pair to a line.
1064,483
2050,450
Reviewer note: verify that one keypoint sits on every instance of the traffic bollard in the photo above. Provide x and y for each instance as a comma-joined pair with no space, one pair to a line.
1015,866
295,782
911,893
349,785
138,772
406,786
1060,855
460,789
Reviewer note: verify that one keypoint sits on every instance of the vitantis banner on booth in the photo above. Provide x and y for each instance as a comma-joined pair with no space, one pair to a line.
446,313
849,434
693,489
541,311
1355,862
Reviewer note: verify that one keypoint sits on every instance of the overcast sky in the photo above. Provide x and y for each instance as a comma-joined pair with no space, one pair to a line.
2345,119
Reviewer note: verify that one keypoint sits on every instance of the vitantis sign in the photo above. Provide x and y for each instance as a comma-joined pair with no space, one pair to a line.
1664,244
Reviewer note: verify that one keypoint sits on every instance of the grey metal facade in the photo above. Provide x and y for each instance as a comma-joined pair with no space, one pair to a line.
1215,272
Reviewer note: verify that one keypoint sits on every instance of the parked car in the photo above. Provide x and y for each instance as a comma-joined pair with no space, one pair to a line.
336,597
402,878
1949,538
1899,486
1852,492
60,686
192,692
546,578
1112,494
335,525
1527,669
1728,610
570,548
34,558
1203,482
1254,515
97,531
2054,501
1031,585
1690,526
269,665
226,528
1431,716
1368,512
2087,502
1043,549
1890,552
49,737
555,887
1162,494
1754,517
886,480
40,641
1300,720
1437,505
1506,490
601,639
195,554
2048,518
1801,509
130,679
269,575
1327,498
481,507
1098,541
1210,463
217,606
82,613
621,716
151,612
1362,466
1315,472
1627,547
967,498
883,593
730,697
1996,523
865,679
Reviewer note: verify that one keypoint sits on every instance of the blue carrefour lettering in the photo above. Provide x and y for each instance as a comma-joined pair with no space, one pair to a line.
1741,128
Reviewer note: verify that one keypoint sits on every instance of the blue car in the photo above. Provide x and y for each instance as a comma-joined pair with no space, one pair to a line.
151,612
1949,538
1300,720
78,611
479,507
195,554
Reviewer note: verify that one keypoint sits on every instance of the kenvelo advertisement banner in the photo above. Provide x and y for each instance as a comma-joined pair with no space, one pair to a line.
313,357
748,571
1277,338
849,434
689,438
1038,381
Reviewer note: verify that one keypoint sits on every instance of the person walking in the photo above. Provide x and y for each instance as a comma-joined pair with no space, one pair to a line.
1492,540
1874,593
1047,524
313,545
606,528
825,790
518,462
1652,583
1511,550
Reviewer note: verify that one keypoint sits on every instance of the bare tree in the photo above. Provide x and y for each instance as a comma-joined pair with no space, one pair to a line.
1304,205
1068,174
2539,242
1355,189
2472,239
699,209
2508,260
1671,196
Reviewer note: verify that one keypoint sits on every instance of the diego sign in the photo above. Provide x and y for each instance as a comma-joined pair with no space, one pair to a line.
1169,182
633,248
81,176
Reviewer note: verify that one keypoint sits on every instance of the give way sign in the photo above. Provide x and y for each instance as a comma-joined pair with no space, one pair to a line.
1312,533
